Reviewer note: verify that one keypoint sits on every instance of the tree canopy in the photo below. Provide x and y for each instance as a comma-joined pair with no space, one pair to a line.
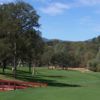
19,34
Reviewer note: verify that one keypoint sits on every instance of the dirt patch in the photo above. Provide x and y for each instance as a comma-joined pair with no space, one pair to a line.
80,69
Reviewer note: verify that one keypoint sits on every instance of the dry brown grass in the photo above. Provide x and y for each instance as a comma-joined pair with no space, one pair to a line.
80,69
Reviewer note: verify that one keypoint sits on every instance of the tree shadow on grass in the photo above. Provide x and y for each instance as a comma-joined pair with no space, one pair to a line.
26,76
54,83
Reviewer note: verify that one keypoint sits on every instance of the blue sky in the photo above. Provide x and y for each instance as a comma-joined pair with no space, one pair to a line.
74,20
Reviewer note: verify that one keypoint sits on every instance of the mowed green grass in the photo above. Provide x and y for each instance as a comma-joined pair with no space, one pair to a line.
62,85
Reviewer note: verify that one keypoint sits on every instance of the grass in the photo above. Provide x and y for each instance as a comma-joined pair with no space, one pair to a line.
62,85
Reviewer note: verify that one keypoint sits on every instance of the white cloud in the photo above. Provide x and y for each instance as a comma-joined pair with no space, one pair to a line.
89,2
55,8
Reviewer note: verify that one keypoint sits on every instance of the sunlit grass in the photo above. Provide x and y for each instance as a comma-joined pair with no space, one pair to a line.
62,85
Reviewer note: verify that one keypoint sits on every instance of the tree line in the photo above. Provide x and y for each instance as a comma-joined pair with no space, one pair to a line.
73,54
21,43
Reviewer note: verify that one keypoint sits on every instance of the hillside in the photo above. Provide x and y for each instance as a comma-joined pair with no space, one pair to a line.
77,53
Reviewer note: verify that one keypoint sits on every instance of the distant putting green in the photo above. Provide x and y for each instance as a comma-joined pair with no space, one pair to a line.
62,85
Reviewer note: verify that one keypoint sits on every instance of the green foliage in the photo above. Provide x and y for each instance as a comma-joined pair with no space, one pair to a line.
19,33
47,55
76,54
94,64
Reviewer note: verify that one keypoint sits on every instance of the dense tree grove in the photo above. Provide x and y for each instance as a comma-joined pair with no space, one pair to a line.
73,54
20,39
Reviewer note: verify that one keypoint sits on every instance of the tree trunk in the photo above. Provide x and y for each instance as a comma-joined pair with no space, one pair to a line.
14,71
15,67
30,67
4,67
33,70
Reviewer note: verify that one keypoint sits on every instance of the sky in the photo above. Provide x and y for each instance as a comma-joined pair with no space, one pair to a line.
73,20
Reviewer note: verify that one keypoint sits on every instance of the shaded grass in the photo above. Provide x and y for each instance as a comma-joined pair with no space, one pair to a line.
62,85
24,75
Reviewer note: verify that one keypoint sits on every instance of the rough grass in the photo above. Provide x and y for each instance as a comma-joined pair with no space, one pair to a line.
62,85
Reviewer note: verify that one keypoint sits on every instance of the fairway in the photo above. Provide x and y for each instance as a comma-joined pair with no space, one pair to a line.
62,85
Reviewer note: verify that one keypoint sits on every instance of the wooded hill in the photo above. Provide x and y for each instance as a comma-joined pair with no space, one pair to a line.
72,54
